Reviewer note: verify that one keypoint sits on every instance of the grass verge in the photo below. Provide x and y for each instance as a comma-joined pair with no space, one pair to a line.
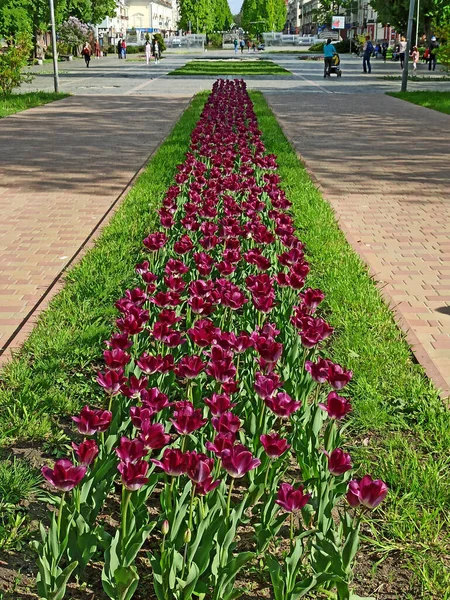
54,373
439,101
14,103
238,66
400,425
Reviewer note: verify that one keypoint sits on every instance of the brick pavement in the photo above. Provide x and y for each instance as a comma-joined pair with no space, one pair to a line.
384,165
61,171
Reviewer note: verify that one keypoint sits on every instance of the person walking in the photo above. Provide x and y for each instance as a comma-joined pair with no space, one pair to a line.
124,49
119,48
236,44
402,51
415,55
86,52
148,51
156,52
242,44
367,53
384,49
97,49
249,45
433,48
328,52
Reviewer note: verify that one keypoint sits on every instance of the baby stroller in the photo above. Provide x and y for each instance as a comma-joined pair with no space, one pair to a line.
335,66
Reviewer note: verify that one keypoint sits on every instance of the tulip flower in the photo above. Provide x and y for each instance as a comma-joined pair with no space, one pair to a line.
226,423
153,436
337,406
111,381
149,364
367,492
274,446
222,441
86,452
139,415
207,485
119,340
64,476
174,462
337,376
187,420
218,404
266,385
189,367
174,266
199,467
155,241
318,371
135,387
339,462
130,450
92,420
312,298
133,474
183,245
238,461
292,499
154,399
282,405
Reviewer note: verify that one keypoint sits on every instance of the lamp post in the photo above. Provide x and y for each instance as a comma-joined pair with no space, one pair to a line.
55,51
417,23
408,45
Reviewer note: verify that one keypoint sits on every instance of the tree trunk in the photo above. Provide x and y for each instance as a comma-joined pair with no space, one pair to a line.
427,22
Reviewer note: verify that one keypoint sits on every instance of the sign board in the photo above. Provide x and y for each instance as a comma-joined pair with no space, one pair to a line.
338,23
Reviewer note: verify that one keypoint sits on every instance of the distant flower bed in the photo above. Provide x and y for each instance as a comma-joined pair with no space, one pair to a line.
221,409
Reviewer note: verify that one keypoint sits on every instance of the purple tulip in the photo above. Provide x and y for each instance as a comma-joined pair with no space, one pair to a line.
282,405
153,436
130,450
218,404
367,492
111,381
174,462
222,441
64,476
199,467
226,423
339,462
133,474
189,367
86,452
319,370
274,446
238,461
91,420
337,376
266,385
292,499
337,406
187,419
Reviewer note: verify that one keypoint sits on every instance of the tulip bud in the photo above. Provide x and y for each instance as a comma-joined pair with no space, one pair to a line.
165,527
187,536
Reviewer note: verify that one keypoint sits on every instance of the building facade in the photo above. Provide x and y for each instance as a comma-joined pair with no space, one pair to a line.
156,16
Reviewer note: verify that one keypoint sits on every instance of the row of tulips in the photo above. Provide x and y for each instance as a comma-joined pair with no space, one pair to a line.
221,411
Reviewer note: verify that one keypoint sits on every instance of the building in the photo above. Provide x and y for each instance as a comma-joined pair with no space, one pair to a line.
156,16
293,17
111,28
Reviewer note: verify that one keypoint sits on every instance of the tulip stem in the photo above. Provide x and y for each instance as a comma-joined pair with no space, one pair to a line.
191,507
316,400
229,498
267,475
263,412
126,495
291,535
60,513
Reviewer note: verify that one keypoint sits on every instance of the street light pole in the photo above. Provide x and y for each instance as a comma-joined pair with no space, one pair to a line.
408,45
55,51
417,23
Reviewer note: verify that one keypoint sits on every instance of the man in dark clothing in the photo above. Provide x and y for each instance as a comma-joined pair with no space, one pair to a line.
119,48
433,48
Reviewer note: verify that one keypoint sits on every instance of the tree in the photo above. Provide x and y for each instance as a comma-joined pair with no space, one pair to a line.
200,14
73,33
395,12
263,15
12,63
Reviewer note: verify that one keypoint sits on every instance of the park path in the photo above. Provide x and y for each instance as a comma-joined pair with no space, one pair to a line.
63,167
384,166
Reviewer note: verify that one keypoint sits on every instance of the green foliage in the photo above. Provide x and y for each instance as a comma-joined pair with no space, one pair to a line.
215,40
263,15
161,45
14,18
443,52
204,16
439,101
228,67
17,102
395,12
12,63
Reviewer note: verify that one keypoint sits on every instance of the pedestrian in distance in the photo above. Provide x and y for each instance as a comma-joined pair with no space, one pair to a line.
148,51
236,44
119,48
328,52
402,51
86,52
242,44
384,49
249,45
124,49
156,51
97,50
254,47
415,55
367,53
433,48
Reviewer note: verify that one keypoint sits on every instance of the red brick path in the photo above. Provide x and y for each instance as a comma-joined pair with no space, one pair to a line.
384,165
62,167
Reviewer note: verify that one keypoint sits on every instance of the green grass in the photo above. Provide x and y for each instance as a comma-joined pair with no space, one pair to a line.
435,100
54,373
400,428
14,103
238,66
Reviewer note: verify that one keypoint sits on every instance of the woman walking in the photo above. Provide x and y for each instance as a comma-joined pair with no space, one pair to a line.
86,52
402,51
148,51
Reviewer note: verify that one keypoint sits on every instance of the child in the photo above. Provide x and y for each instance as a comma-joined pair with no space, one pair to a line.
415,56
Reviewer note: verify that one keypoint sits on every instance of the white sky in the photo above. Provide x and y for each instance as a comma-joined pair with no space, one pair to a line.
235,6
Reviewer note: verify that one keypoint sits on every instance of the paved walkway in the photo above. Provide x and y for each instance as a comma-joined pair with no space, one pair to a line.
384,165
61,171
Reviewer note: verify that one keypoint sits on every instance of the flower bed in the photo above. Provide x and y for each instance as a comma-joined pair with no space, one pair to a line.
219,401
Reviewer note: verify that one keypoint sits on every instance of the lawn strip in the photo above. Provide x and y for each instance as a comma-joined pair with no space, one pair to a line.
54,373
237,67
14,103
401,425
439,101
